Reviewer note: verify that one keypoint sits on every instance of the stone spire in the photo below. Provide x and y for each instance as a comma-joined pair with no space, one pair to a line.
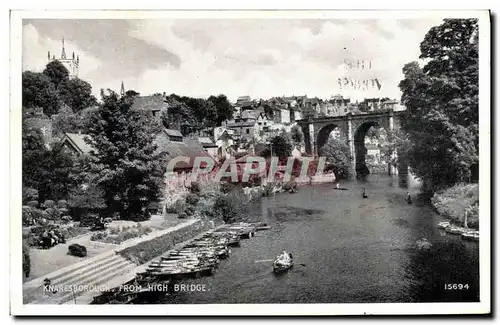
63,53
122,89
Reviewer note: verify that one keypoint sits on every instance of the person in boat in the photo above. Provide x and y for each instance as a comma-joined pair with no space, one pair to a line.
364,194
284,257
408,198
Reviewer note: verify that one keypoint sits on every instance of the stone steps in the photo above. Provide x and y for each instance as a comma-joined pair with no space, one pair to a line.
95,278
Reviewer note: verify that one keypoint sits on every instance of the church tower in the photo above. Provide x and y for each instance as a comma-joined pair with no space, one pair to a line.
122,90
72,63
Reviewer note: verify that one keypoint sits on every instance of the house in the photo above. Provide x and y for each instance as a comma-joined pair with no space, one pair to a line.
340,105
225,143
243,130
295,114
76,143
153,104
391,104
209,146
243,100
263,127
170,144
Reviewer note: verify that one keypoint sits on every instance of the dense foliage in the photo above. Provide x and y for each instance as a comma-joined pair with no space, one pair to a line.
48,171
53,88
442,105
195,114
458,200
338,155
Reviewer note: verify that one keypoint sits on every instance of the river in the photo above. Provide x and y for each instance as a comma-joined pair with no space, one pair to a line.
352,250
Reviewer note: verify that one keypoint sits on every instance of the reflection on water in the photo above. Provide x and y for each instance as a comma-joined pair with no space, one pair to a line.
347,249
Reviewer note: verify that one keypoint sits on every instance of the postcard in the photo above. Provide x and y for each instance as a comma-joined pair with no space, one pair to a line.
245,162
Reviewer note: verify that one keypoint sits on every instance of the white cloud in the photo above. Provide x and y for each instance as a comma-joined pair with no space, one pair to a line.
260,58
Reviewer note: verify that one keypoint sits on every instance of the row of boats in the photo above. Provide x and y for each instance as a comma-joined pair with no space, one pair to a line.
466,233
200,257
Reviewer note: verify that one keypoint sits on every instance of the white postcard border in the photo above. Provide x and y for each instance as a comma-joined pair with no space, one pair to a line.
17,308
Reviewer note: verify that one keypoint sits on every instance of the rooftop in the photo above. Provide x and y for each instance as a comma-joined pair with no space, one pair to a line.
79,142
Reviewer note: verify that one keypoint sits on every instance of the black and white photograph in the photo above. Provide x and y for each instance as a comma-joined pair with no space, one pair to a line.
250,162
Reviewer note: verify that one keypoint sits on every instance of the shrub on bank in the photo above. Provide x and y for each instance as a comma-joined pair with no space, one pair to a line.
453,202
231,207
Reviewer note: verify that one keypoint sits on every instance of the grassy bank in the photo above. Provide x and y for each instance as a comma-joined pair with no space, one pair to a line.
454,201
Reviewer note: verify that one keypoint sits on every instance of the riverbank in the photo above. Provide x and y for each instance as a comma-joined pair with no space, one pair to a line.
453,203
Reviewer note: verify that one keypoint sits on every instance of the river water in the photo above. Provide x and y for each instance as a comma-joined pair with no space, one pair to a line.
352,250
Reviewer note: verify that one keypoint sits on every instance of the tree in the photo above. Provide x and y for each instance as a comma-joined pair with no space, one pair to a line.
57,73
39,91
281,146
68,121
124,162
297,135
442,105
224,109
77,94
131,93
338,155
33,151
56,166
47,171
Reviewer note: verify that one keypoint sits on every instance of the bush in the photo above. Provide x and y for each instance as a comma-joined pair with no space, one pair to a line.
98,236
46,236
192,199
289,185
231,207
26,260
77,250
66,218
30,194
49,204
27,216
53,213
62,204
33,204
73,230
89,220
195,187
226,187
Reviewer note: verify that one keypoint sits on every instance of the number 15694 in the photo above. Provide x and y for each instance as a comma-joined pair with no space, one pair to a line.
456,286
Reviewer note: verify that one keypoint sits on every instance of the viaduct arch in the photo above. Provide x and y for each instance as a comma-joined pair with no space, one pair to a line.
354,127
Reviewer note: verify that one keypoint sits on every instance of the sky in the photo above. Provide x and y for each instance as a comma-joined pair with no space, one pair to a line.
260,58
